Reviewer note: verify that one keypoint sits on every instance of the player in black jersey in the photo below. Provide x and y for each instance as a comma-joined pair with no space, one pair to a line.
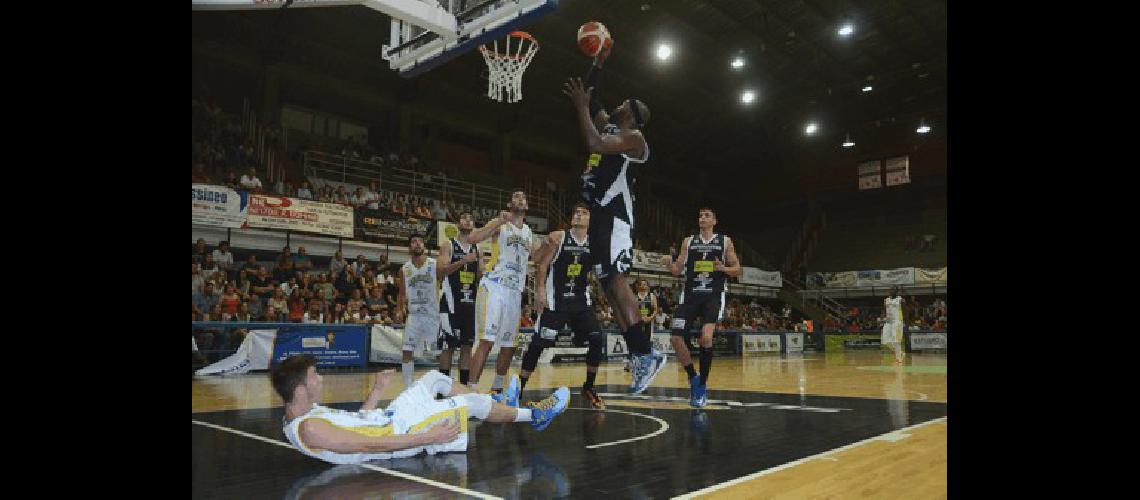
646,303
457,300
562,296
616,153
706,261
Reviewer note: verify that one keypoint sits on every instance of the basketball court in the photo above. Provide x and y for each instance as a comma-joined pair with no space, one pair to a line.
835,424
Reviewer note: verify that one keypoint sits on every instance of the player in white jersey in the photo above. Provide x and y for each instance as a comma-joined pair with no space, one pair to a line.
498,303
418,303
414,422
893,327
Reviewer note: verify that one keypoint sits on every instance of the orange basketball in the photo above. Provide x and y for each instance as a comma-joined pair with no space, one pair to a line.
592,37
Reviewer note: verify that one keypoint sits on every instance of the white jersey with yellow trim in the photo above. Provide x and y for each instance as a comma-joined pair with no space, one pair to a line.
893,308
422,287
510,265
373,423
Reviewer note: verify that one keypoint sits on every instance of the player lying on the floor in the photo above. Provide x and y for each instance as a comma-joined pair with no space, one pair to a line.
414,422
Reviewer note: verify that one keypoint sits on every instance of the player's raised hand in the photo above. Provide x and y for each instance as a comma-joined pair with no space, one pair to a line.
579,95
442,433
667,260
605,53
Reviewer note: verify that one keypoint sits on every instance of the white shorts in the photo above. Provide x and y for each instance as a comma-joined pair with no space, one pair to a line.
416,409
497,313
892,332
421,330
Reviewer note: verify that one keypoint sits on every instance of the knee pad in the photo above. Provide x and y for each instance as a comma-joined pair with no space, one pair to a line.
478,405
596,352
530,358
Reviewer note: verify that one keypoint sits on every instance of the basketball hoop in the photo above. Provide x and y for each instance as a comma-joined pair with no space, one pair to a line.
507,67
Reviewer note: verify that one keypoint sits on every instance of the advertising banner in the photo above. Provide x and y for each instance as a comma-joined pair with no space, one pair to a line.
295,214
332,345
756,276
218,206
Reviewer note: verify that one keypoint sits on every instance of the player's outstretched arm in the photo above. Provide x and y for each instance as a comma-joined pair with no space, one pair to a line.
443,269
318,433
402,301
492,228
629,142
382,380
594,81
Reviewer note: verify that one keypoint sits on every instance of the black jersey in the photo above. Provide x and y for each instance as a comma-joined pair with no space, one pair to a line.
566,287
644,306
458,288
609,179
700,277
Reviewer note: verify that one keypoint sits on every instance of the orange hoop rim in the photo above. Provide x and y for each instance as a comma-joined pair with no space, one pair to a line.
518,34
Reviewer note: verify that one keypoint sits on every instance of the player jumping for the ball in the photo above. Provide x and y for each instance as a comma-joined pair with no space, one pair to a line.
615,155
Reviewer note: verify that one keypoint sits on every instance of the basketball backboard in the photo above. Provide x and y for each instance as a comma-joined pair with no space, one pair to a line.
423,33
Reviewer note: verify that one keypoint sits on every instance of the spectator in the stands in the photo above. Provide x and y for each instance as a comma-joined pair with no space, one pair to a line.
302,261
224,257
341,196
400,206
204,301
345,283
196,279
359,265
439,212
372,196
200,250
230,301
262,285
324,288
289,286
367,279
525,321
278,307
337,263
355,302
304,192
209,267
326,195
928,242
250,265
313,314
358,198
199,176
375,301
250,181
423,212
296,304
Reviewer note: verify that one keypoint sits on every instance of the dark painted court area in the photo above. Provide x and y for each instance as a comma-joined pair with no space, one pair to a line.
738,434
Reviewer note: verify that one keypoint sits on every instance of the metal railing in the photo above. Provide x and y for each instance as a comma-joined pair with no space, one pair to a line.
392,178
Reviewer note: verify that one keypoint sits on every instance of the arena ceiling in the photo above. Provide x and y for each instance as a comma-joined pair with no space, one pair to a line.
703,138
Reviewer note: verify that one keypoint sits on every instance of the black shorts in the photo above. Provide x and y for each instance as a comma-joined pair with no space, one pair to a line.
611,245
456,329
708,306
582,323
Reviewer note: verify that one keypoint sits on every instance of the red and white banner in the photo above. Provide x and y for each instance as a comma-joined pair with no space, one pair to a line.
294,214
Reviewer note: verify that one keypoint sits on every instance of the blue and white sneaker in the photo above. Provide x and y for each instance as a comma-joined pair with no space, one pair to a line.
698,397
510,395
645,369
543,412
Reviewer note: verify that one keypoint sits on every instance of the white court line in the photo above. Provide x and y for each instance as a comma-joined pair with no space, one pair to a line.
390,472
664,427
789,465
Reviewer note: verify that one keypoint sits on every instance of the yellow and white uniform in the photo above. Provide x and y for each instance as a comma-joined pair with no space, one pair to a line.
498,304
414,411
893,327
422,324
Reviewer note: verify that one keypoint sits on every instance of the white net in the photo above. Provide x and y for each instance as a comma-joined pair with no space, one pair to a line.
506,67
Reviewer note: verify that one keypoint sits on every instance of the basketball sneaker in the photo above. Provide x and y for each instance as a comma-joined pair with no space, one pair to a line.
697,398
593,399
543,412
510,395
645,369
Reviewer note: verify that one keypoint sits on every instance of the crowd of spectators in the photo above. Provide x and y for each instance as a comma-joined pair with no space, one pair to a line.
926,314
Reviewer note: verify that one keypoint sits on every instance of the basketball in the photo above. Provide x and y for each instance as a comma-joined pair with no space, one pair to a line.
592,36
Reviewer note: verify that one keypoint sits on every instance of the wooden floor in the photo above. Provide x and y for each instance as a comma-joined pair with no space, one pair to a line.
909,462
